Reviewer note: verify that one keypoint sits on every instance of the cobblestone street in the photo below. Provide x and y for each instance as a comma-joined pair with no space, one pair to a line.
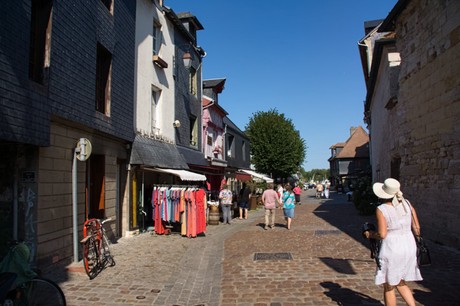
323,261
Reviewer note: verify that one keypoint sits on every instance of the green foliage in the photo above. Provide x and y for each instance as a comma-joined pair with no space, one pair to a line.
315,174
363,197
276,146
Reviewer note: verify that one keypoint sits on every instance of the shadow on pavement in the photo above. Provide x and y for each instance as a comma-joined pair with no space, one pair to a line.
339,265
345,296
441,280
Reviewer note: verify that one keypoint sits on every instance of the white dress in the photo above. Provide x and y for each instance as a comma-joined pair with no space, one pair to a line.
397,254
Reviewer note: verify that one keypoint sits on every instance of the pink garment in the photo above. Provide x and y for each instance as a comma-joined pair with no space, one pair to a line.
270,198
297,190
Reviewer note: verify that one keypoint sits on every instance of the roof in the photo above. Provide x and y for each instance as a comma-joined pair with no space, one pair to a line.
234,127
338,145
357,145
217,84
207,102
154,153
193,157
389,23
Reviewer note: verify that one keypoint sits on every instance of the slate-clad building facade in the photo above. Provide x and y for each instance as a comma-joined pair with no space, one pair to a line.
66,73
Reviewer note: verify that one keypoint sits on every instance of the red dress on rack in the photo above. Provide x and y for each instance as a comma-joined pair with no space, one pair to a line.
200,197
159,228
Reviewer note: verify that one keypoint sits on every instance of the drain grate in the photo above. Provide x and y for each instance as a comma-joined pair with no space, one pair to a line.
272,256
327,232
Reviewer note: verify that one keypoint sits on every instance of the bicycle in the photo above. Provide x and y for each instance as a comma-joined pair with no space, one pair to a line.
96,250
20,285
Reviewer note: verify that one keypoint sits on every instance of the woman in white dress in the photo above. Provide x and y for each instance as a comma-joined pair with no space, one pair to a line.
397,256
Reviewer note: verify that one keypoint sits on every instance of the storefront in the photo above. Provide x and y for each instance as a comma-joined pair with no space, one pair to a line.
166,195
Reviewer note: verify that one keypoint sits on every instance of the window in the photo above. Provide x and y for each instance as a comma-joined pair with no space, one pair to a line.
243,151
231,146
154,105
109,5
40,40
192,85
103,79
156,38
193,131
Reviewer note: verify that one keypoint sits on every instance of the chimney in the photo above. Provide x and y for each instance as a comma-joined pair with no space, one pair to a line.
353,129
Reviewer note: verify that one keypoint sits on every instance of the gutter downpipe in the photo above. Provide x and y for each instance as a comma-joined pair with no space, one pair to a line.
74,207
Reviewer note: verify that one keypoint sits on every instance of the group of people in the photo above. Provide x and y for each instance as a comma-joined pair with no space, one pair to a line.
285,198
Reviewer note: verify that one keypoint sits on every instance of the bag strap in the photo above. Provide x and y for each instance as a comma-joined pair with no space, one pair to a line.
415,228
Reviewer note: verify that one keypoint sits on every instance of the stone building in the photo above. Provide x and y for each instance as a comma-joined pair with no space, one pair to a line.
411,64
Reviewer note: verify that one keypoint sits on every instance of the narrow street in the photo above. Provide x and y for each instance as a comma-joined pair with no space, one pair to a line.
322,260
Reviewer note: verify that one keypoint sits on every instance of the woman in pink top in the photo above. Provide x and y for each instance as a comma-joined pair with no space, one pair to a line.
297,192
270,199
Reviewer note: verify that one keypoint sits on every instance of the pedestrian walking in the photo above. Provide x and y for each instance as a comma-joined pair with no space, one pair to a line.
280,191
297,191
244,196
327,188
226,198
397,256
288,205
319,190
270,199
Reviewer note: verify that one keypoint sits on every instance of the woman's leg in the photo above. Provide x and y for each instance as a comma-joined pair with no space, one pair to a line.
245,213
241,213
289,220
226,210
406,293
389,295
267,215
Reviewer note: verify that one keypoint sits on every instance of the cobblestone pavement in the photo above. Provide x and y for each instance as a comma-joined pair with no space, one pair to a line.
322,260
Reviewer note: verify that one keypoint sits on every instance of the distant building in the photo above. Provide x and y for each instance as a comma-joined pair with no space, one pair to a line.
349,159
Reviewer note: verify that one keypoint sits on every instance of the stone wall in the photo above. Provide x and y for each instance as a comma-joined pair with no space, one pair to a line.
428,36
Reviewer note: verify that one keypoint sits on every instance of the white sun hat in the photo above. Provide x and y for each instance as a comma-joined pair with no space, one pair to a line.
388,189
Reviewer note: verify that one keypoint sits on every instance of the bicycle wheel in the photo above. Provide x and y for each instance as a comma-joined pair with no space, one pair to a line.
91,258
41,292
107,256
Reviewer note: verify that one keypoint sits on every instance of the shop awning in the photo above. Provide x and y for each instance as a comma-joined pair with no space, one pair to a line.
258,176
244,177
183,174
154,153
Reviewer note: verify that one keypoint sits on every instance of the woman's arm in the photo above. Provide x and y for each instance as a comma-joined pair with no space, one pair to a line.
381,232
415,222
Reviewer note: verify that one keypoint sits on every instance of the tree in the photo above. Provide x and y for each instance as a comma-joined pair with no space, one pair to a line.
315,174
276,146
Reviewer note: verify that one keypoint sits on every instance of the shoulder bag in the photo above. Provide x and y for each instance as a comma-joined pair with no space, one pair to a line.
423,253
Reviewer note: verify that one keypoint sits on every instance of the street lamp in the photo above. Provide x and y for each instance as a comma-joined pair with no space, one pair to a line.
187,58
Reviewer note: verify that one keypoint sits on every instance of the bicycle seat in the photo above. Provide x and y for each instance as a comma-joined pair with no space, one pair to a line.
6,283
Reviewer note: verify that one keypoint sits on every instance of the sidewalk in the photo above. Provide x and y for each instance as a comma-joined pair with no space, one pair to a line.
322,260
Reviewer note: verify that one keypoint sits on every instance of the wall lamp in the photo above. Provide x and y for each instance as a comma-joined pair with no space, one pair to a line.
176,123
187,58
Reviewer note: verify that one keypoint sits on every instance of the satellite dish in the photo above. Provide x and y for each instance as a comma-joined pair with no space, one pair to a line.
83,149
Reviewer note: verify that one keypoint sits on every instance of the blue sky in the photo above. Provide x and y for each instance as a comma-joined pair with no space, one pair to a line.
298,56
